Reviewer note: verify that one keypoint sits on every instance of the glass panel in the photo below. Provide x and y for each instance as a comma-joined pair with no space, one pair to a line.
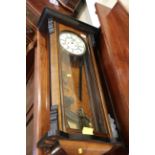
77,99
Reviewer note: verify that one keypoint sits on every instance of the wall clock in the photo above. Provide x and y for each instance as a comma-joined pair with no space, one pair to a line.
79,108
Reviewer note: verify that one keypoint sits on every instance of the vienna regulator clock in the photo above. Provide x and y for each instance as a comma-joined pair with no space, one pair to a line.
79,110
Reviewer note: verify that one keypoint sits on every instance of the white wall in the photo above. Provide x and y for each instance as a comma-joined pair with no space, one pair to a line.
126,4
111,3
89,16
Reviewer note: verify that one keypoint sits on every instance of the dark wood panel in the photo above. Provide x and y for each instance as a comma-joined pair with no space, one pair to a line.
29,64
30,93
32,13
29,138
29,115
32,18
30,31
114,61
118,151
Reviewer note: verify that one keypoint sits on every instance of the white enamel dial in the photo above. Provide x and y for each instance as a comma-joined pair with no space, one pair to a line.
72,43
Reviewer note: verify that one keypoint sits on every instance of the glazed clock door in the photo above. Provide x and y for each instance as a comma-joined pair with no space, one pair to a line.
74,86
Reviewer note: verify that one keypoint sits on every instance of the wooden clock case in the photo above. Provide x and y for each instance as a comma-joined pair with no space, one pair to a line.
111,55
43,103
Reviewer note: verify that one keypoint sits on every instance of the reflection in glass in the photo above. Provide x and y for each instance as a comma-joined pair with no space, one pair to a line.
77,100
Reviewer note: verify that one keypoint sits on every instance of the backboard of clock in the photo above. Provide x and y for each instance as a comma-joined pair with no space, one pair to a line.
78,105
